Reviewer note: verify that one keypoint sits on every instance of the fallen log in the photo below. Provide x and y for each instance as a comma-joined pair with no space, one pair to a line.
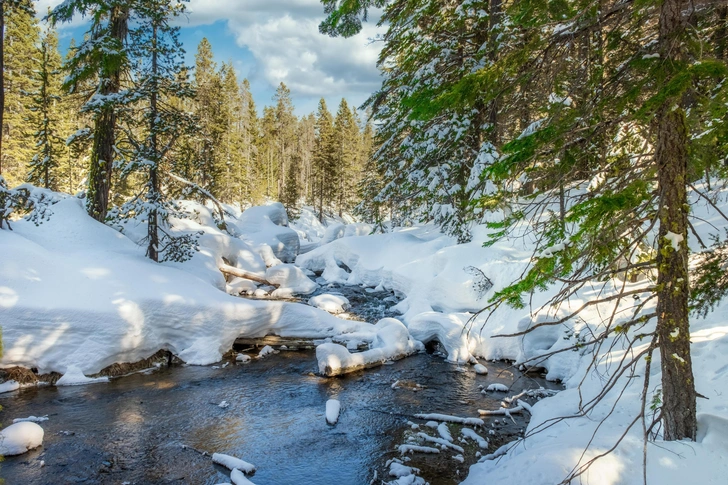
248,275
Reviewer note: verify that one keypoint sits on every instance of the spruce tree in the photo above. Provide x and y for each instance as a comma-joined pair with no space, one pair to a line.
101,56
324,159
21,38
45,105
157,56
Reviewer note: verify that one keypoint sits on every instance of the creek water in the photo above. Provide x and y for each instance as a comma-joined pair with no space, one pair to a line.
151,428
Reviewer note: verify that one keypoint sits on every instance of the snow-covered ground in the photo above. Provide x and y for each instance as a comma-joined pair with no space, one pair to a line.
78,295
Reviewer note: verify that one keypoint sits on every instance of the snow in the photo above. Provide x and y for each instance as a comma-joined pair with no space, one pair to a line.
392,342
9,386
333,304
440,441
417,449
480,369
398,470
451,419
444,432
469,433
32,419
332,411
265,228
244,358
231,463
496,387
77,295
675,239
18,438
74,377
290,279
238,478
267,350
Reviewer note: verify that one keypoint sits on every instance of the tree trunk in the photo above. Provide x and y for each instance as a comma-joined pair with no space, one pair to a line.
2,80
678,385
102,156
153,224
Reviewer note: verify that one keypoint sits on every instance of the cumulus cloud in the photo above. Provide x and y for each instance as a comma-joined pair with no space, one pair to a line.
283,37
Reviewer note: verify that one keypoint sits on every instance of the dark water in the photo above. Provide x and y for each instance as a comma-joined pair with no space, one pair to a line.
133,429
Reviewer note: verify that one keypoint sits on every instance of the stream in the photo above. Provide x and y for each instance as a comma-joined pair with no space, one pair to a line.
150,428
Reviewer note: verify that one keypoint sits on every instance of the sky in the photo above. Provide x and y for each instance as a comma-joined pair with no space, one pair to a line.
274,41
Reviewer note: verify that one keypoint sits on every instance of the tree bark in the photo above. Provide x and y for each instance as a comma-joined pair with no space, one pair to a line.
2,80
673,329
153,224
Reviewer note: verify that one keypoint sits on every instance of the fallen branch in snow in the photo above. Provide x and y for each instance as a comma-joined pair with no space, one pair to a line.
232,463
417,449
451,419
241,273
440,441
502,411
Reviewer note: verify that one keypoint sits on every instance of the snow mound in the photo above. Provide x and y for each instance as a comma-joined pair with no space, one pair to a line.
290,279
332,411
267,350
334,304
18,438
238,478
231,463
449,330
31,419
392,342
75,377
267,227
480,369
497,387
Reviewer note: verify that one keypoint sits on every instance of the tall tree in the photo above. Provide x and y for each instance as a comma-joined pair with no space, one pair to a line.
45,106
158,78
21,38
323,162
101,56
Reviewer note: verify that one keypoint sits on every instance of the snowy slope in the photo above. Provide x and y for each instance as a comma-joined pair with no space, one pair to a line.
76,292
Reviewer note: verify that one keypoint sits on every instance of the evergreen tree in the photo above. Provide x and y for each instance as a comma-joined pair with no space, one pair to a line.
101,56
45,107
21,38
291,190
324,159
285,135
345,168
158,78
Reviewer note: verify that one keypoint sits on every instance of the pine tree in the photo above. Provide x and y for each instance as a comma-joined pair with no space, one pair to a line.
285,135
158,78
250,135
323,163
21,38
101,56
45,107
291,190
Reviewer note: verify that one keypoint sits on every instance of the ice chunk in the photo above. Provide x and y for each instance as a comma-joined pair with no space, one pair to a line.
332,411
231,463
18,438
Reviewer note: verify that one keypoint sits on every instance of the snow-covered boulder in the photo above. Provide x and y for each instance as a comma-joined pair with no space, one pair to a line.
331,303
392,342
333,407
268,226
290,280
18,438
448,329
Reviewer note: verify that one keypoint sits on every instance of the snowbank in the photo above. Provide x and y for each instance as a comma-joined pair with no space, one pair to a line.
291,280
267,227
392,342
74,292
75,377
18,438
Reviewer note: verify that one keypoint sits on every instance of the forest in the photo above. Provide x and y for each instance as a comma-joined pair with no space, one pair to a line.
536,185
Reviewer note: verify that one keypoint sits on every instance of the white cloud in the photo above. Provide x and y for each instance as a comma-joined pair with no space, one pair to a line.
283,37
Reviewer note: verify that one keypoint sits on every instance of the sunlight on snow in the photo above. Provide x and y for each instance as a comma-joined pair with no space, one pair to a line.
8,297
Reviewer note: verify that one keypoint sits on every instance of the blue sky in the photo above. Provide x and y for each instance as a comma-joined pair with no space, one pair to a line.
273,41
